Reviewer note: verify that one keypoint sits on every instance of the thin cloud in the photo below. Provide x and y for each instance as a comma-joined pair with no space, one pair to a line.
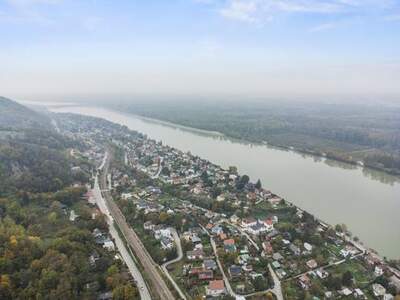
91,23
393,18
28,11
255,11
324,27
241,10
32,2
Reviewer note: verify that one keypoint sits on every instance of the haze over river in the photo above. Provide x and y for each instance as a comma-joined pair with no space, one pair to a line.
367,201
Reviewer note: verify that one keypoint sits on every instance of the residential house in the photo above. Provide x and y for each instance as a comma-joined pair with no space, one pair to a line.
312,264
229,245
295,250
126,196
217,230
304,282
277,256
269,223
195,239
222,236
195,254
109,245
235,271
359,294
247,268
93,258
321,273
275,200
267,248
215,288
166,243
378,290
234,219
281,273
307,248
209,264
257,228
346,292
247,222
148,225
162,233
206,275
276,264
378,271
220,198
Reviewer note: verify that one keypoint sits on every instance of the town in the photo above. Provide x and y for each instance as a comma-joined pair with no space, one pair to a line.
216,234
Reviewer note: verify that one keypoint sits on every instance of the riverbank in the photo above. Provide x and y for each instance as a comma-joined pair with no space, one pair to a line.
340,157
335,192
337,131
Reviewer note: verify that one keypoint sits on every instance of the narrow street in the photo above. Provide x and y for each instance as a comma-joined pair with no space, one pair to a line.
180,256
226,279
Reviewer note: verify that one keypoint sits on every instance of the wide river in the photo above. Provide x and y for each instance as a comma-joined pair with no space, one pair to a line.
367,201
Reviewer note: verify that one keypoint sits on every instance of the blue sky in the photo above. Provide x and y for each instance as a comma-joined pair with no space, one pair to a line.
199,47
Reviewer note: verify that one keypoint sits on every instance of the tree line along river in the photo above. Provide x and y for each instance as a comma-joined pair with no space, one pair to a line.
367,201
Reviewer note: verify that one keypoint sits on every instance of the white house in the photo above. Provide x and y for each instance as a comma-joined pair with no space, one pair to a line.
166,243
257,228
234,219
379,290
109,245
126,196
378,271
247,222
163,233
308,248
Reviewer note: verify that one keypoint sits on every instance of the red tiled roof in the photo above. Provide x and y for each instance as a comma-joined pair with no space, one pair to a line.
268,221
229,242
216,285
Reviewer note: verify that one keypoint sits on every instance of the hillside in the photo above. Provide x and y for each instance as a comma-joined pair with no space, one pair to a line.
44,254
17,116
32,154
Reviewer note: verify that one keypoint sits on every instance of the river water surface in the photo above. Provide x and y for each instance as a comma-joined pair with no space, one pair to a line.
367,201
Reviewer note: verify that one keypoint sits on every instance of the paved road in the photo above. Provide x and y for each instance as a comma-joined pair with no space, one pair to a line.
157,174
226,280
245,234
133,269
180,256
277,290
159,287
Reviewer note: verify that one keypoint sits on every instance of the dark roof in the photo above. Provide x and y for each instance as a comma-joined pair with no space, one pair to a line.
235,270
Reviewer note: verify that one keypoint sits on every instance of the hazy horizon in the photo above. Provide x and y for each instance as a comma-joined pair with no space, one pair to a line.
58,49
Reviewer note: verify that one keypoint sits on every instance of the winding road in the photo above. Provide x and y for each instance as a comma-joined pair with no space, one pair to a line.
180,256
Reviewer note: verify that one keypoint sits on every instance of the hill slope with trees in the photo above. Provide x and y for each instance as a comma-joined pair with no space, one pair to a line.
44,254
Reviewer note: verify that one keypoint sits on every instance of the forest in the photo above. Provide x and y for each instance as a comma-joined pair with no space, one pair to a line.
43,253
347,132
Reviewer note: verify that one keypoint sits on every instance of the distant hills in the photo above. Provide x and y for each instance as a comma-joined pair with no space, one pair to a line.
15,115
32,153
